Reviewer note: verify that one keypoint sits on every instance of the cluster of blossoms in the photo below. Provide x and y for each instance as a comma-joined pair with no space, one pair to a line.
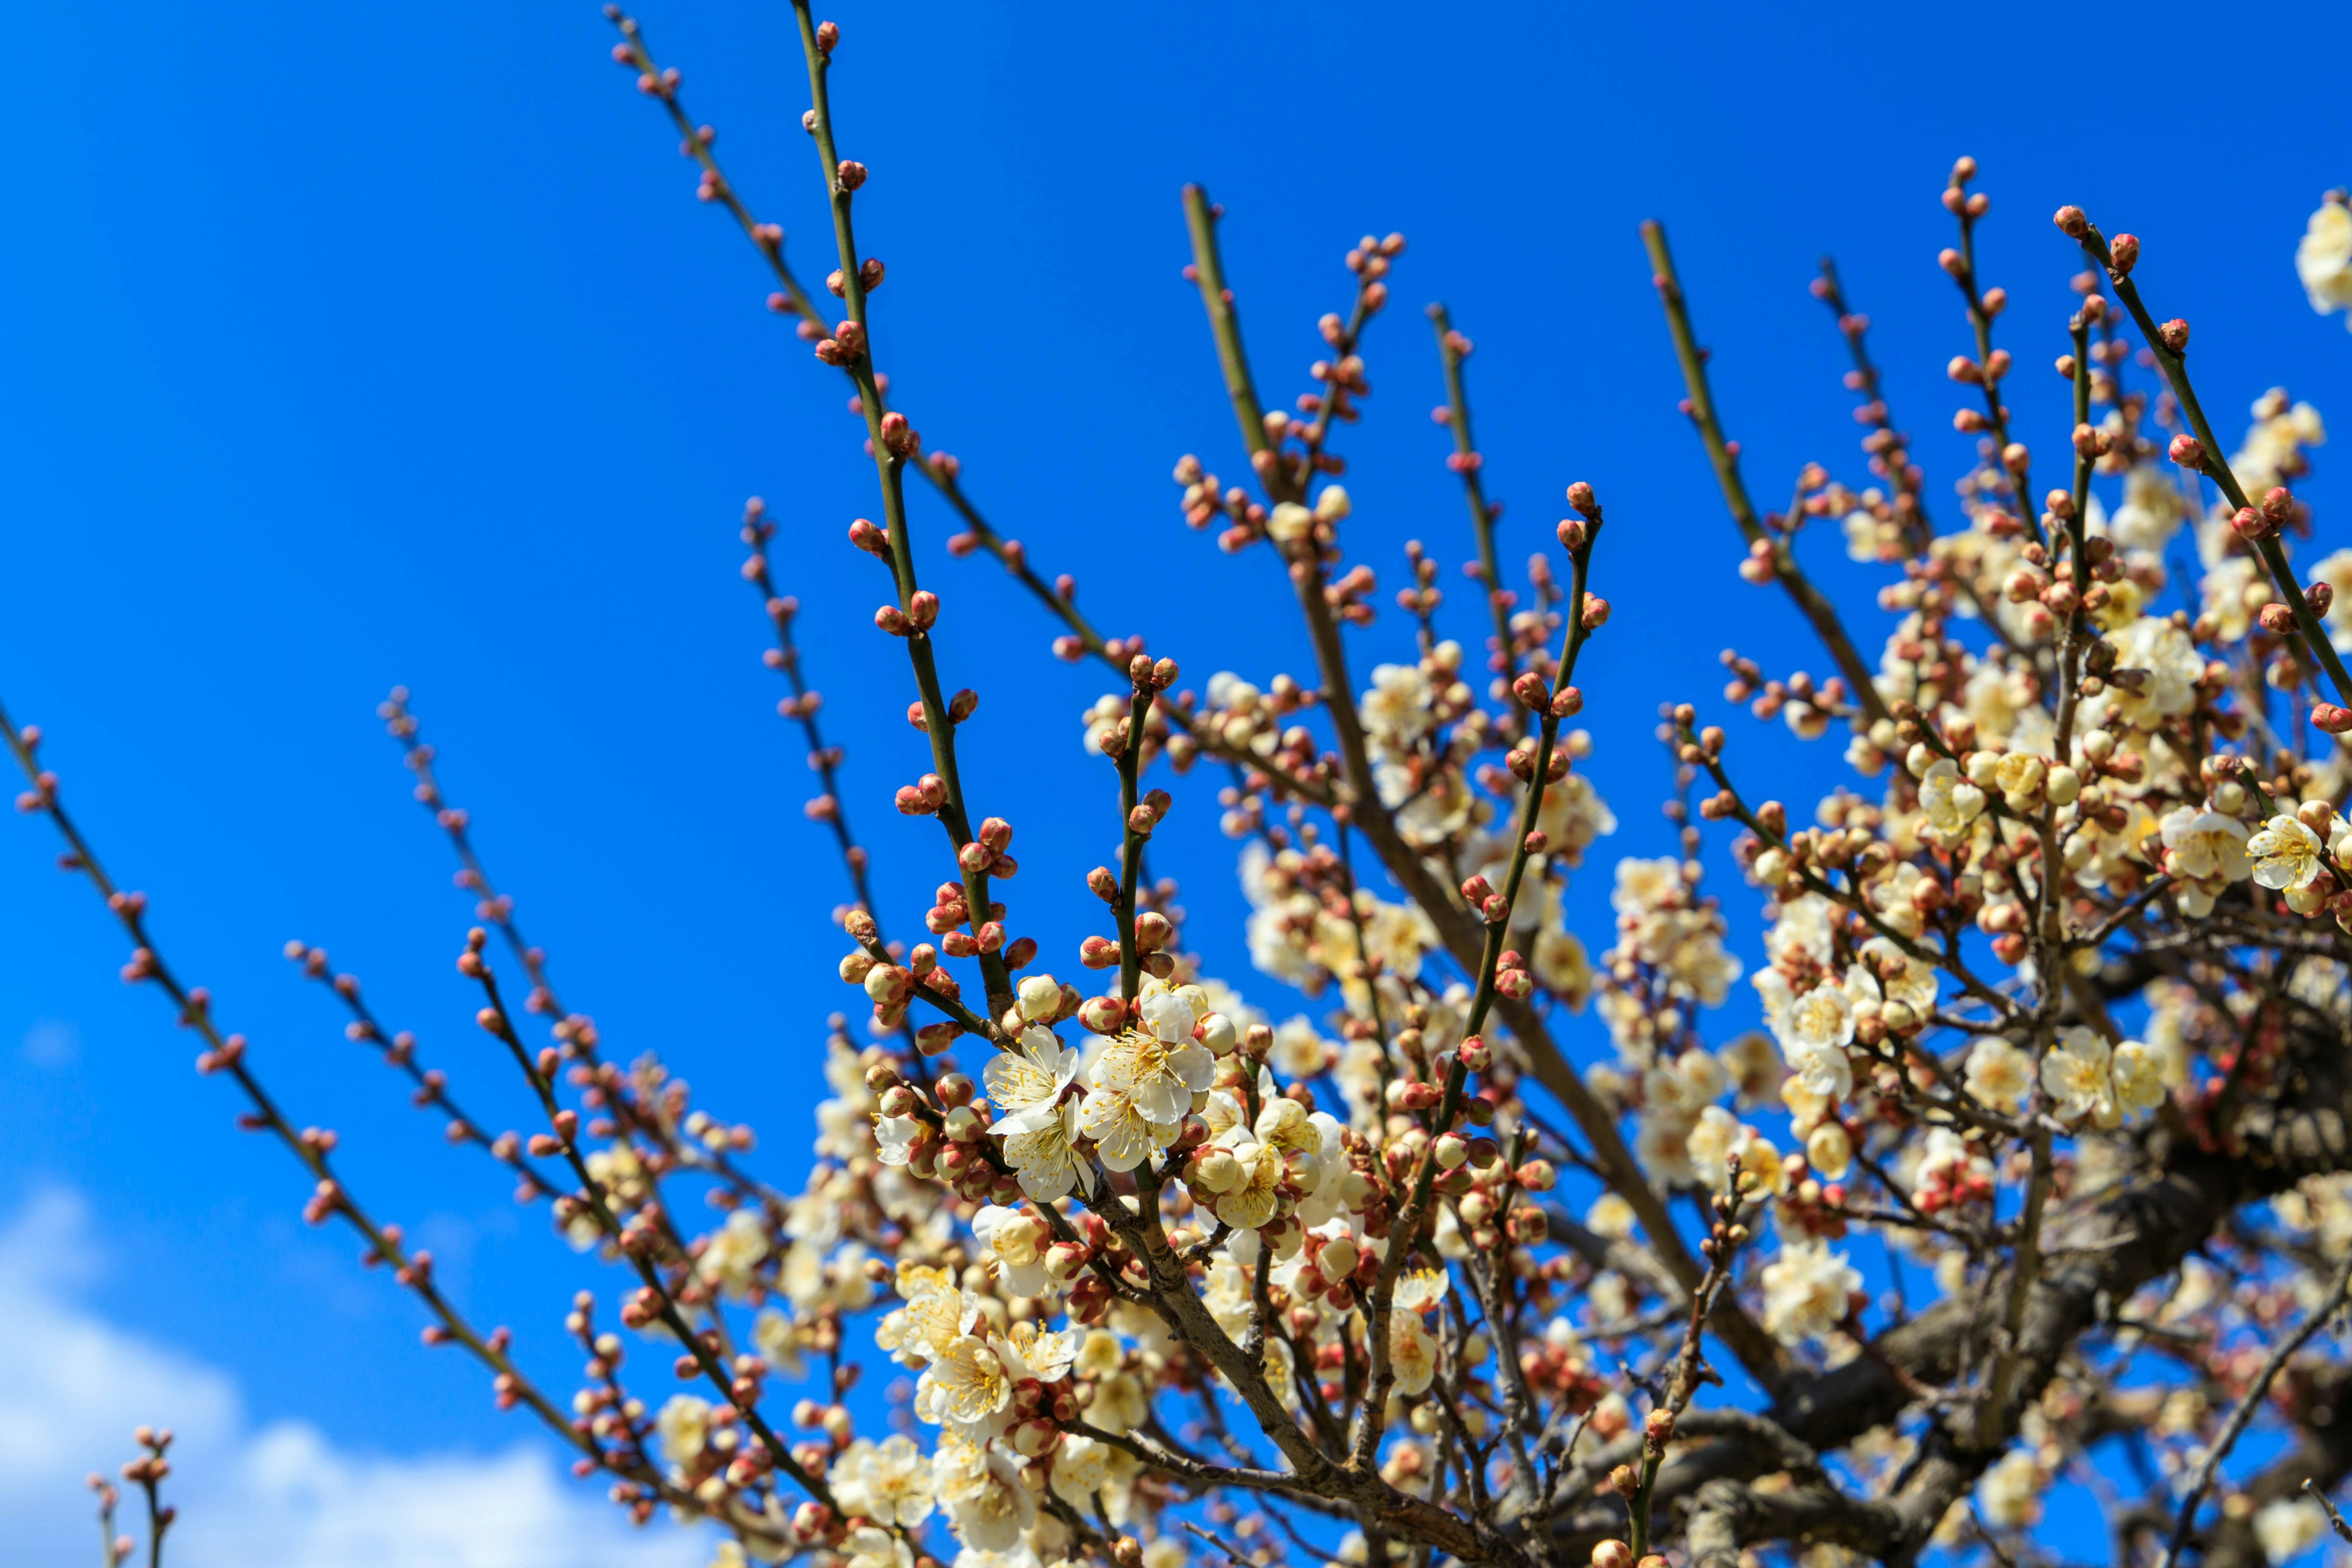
2053,988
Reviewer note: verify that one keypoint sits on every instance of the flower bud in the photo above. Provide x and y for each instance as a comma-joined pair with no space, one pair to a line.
1041,997
2123,253
2072,222
1217,1171
1217,1032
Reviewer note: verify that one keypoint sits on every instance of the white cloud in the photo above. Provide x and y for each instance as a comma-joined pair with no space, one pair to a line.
72,1386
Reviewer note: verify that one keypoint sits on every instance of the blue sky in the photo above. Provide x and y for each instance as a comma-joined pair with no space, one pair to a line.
357,346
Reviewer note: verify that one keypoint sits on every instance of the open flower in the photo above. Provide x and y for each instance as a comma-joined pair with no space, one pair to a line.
1999,1074
989,1507
2323,260
889,1481
2205,846
1157,1075
1046,1158
1951,801
871,1546
1813,1030
967,1385
1045,1354
2287,854
1251,1197
2140,1074
1808,1290
1124,1137
1016,1241
2077,1073
1413,1353
1026,1083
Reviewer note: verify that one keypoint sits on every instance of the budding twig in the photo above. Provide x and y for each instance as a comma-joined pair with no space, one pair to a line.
1452,348
1724,457
2170,344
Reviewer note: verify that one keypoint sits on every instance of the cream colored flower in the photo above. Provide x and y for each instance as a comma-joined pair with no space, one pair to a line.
2152,512
1808,1290
1081,1468
778,1343
2206,846
989,1507
1046,1158
935,1316
870,1546
1157,1075
683,1427
1026,1083
2174,667
2077,1074
2230,592
1045,1354
1413,1353
2285,854
2010,1492
1252,1196
1999,1074
1124,1137
1119,1404
1813,1030
1563,968
889,1481
732,1259
2286,1528
1399,708
1950,802
2139,1076
967,1383
2323,260
2018,775
1016,1243
1829,1150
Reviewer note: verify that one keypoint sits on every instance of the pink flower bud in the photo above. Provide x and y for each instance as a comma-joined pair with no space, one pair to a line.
2072,222
2187,452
